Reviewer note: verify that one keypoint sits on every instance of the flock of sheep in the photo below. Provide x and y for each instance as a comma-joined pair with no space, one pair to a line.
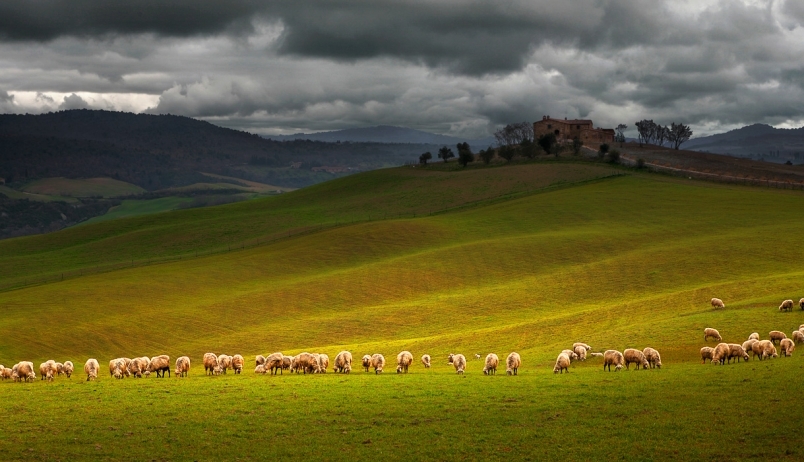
723,353
647,358
317,363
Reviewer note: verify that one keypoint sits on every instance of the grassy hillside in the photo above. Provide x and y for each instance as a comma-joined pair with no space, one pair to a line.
626,261
84,187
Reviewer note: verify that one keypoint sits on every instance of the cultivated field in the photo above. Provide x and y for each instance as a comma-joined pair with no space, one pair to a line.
526,258
87,187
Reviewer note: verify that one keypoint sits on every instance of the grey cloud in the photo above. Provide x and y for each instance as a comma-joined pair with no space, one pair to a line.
48,19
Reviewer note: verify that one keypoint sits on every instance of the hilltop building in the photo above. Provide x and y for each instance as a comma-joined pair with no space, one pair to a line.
568,129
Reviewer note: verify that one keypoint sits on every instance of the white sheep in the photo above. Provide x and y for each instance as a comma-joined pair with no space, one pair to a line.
748,345
764,349
260,369
237,363
797,336
776,336
182,366
613,358
91,368
754,336
786,305
706,353
801,303
492,361
426,361
653,357
136,367
581,345
787,346
737,351
562,363
159,364
259,359
224,363
721,353
366,362
458,362
717,303
24,371
68,369
709,332
307,362
210,363
378,363
580,351
403,361
632,355
512,363
571,354
343,362
323,363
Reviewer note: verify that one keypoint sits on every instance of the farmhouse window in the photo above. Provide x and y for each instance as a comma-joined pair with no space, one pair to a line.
549,126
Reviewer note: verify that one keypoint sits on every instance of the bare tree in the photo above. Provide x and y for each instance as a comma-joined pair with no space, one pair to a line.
513,134
678,134
661,135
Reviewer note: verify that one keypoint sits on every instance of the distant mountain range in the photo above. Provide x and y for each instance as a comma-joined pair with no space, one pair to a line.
386,134
758,141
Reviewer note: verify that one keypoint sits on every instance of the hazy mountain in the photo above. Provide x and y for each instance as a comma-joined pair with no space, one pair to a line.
160,151
387,134
757,141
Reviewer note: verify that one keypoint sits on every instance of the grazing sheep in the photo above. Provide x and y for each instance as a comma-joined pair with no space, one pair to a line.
273,363
706,353
787,346
721,353
580,344
709,332
138,366
562,363
182,366
748,345
68,368
59,368
786,305
737,351
426,361
259,359
717,303
5,373
343,362
307,362
366,361
237,363
210,363
492,361
798,336
580,351
776,336
260,369
47,367
91,368
571,354
801,328
632,355
653,357
596,354
449,358
224,363
764,349
459,363
323,364
23,371
377,362
754,336
159,364
116,367
512,363
477,356
613,358
801,303
403,361
286,362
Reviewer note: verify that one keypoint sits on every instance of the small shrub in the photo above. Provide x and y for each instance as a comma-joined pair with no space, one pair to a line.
614,156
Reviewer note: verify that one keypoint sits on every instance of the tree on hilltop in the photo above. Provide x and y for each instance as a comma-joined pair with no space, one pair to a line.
465,154
678,134
425,157
620,136
445,153
506,152
486,155
513,134
528,148
548,143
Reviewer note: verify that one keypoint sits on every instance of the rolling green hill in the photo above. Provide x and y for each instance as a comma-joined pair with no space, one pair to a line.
526,258
84,187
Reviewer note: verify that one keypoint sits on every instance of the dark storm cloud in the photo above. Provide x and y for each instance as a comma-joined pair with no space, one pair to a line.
44,20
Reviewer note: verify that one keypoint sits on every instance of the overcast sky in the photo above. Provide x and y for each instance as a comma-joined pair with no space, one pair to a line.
458,67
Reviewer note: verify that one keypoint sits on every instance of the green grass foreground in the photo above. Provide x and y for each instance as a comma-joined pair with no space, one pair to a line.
526,258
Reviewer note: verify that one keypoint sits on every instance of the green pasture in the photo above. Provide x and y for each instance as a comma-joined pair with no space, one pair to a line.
14,194
136,207
527,258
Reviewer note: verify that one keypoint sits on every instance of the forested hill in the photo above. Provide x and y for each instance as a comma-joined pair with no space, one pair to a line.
159,151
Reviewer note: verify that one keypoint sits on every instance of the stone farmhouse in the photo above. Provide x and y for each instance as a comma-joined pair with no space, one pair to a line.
568,129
